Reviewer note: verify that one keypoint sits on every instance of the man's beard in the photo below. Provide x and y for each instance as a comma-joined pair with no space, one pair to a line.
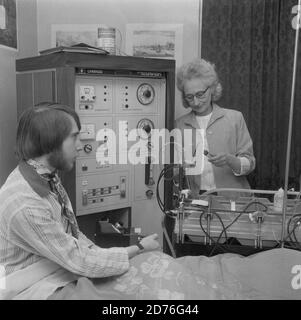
58,161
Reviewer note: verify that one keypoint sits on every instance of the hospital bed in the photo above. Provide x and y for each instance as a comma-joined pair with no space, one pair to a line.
272,274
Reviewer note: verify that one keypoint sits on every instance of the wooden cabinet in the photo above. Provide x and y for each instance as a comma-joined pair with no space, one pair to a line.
53,78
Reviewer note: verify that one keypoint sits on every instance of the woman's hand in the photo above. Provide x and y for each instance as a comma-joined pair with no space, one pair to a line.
219,160
224,159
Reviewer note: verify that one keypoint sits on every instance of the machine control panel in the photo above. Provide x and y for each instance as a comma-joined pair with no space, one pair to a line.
97,193
115,113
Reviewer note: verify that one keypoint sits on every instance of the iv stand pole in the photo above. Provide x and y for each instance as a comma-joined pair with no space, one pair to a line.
289,138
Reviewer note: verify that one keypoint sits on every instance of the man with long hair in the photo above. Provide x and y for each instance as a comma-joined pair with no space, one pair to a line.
36,216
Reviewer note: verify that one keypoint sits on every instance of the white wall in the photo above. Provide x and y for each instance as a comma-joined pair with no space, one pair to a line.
34,34
8,111
117,13
27,46
27,28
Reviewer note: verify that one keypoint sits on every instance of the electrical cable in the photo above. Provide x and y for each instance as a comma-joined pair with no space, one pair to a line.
207,234
224,229
161,175
162,205
293,242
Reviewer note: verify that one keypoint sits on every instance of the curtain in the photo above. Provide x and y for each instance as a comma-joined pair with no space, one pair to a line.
251,42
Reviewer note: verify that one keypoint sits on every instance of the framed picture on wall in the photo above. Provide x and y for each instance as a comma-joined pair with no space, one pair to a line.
164,41
8,24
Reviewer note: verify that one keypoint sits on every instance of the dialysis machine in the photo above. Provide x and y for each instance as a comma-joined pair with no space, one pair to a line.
120,101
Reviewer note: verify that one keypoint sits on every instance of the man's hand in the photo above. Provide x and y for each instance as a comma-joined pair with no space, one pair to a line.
150,242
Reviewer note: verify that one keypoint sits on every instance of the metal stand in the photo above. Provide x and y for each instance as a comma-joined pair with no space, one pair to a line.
289,138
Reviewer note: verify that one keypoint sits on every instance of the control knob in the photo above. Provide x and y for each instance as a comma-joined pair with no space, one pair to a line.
149,194
88,148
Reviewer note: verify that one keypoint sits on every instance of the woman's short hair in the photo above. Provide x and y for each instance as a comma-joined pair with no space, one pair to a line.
199,69
43,128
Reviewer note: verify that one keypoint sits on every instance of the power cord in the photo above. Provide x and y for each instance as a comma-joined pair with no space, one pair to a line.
224,229
291,233
167,213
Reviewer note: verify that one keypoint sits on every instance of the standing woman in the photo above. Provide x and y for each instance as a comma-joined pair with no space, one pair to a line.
229,148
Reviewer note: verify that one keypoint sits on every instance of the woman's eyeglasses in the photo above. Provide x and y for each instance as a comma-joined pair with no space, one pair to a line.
198,95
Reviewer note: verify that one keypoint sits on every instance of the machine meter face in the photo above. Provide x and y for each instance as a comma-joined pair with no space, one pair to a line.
145,93
144,127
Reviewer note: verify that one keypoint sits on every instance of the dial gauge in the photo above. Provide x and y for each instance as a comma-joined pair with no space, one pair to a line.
145,93
145,127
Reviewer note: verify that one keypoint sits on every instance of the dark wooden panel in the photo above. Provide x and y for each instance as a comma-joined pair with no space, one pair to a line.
170,100
169,123
120,63
44,86
65,83
24,92
95,61
40,62
65,79
168,185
